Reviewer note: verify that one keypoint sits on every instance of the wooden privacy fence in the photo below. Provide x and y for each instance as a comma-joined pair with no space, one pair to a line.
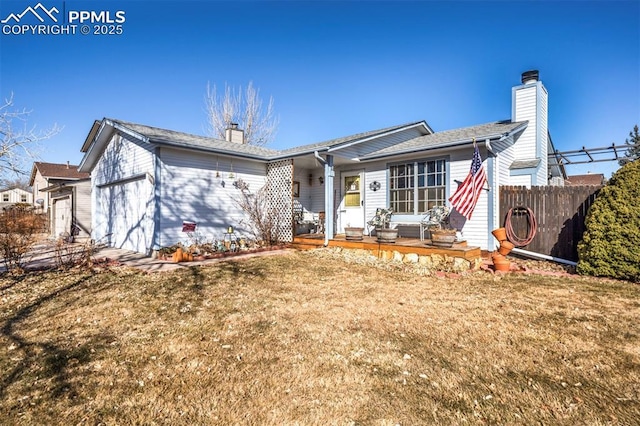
560,213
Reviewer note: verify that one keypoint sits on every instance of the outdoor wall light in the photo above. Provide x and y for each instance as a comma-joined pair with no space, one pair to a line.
321,179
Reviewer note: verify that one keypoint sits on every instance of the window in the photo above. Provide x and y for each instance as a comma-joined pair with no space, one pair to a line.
23,198
5,197
417,187
352,191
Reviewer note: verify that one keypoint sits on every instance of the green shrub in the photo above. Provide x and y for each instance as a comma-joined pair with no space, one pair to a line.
610,246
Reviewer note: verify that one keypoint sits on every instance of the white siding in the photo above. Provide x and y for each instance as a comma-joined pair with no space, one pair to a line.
124,217
39,183
543,137
190,191
530,103
123,158
82,208
123,196
377,144
474,230
15,195
376,172
526,109
307,191
522,180
504,158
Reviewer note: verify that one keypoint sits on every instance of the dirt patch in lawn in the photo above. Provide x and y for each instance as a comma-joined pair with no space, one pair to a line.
317,338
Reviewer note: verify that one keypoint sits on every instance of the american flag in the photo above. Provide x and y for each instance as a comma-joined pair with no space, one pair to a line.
466,196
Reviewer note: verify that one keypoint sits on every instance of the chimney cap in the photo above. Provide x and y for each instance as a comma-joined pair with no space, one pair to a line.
530,76
233,125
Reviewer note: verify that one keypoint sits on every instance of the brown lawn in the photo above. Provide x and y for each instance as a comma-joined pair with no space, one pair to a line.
311,338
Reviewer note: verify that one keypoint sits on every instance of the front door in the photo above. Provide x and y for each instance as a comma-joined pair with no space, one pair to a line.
352,203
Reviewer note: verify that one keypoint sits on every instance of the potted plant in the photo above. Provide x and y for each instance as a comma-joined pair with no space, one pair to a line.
437,222
353,233
381,222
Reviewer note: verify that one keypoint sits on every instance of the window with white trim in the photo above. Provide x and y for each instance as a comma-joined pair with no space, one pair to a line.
416,187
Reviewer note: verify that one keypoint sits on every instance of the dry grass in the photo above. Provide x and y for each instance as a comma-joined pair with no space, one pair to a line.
308,338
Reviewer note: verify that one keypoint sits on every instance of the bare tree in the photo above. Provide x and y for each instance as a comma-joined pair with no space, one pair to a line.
258,122
262,217
18,142
21,182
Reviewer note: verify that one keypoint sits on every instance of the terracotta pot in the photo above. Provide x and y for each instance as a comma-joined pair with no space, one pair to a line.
500,234
503,265
505,247
497,257
177,255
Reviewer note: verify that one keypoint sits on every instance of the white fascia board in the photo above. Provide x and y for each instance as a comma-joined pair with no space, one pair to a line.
102,136
359,141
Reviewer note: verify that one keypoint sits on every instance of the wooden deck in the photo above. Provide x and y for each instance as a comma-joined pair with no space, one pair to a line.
402,245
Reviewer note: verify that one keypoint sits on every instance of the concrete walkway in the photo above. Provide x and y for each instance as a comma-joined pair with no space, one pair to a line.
148,264
44,254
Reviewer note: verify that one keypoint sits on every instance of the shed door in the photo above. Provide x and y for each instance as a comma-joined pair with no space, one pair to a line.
62,216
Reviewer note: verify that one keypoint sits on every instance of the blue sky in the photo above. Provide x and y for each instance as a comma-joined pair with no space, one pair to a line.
333,68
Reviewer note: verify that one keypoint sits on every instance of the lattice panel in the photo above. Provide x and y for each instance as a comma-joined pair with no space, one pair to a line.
280,180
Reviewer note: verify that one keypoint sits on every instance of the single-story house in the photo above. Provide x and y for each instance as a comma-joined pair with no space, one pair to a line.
64,194
11,196
147,182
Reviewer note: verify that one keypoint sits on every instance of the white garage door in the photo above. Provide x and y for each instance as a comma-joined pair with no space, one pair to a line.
126,215
62,216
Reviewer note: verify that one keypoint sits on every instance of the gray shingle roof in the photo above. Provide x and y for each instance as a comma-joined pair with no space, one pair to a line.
436,140
524,164
344,140
453,137
187,140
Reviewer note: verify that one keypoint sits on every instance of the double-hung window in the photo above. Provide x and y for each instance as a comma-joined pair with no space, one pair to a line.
416,187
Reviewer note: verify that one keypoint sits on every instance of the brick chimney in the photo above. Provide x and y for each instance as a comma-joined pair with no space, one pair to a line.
233,134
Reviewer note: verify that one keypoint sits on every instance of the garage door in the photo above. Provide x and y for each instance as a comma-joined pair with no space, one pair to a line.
126,215
61,216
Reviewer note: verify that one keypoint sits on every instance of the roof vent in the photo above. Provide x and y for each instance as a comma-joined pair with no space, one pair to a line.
530,76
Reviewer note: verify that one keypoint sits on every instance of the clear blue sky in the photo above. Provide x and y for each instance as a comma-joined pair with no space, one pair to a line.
333,68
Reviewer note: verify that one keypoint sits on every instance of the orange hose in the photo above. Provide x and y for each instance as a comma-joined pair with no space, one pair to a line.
533,228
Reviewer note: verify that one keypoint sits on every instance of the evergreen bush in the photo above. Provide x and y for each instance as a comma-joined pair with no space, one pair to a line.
610,246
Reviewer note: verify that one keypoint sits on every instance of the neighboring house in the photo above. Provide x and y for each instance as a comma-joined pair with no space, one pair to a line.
146,181
64,194
11,196
588,179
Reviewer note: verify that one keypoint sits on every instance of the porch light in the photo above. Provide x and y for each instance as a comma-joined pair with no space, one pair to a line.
321,179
